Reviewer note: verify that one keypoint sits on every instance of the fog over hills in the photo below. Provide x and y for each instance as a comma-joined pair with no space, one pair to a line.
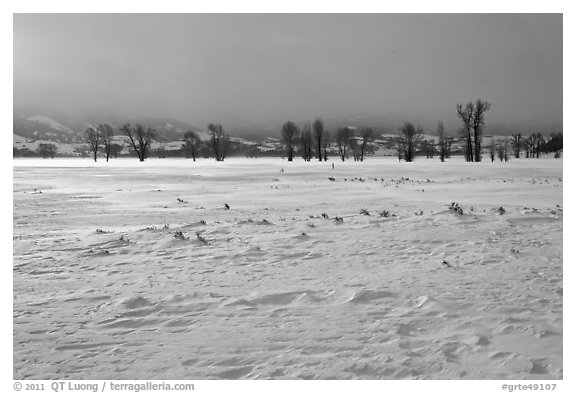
36,123
256,71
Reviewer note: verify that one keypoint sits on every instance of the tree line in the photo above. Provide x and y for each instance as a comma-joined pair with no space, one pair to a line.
314,141
410,141
140,139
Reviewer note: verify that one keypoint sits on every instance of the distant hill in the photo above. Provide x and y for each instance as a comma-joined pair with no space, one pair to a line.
66,129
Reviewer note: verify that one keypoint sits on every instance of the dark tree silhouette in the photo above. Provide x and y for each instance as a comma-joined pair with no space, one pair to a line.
500,151
554,144
140,139
47,150
367,135
473,118
478,122
306,143
290,132
539,142
93,138
106,132
528,145
326,141
533,145
465,114
503,150
318,127
219,140
354,146
191,144
409,137
492,149
343,136
517,141
442,141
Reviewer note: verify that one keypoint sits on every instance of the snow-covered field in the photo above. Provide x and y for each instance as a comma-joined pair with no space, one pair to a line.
129,270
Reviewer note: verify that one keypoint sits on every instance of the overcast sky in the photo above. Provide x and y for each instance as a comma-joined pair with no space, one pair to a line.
261,70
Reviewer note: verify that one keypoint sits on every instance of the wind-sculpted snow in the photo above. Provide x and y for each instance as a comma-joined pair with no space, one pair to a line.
263,269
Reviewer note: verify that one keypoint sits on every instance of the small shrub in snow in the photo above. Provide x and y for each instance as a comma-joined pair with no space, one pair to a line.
384,213
179,235
455,208
501,210
201,238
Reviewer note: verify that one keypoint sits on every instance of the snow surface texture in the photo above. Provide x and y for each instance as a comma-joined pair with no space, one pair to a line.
130,270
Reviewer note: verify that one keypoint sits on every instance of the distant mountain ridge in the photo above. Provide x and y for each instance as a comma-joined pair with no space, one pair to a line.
63,129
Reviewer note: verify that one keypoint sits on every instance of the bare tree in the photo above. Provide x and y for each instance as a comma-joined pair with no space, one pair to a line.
306,142
326,141
517,144
478,122
93,139
528,145
318,127
442,141
473,117
190,145
539,142
290,132
140,139
106,133
466,114
353,143
367,135
343,136
503,149
492,149
533,145
409,136
219,140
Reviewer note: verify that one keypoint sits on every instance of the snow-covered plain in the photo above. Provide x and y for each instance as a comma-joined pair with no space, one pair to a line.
130,270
